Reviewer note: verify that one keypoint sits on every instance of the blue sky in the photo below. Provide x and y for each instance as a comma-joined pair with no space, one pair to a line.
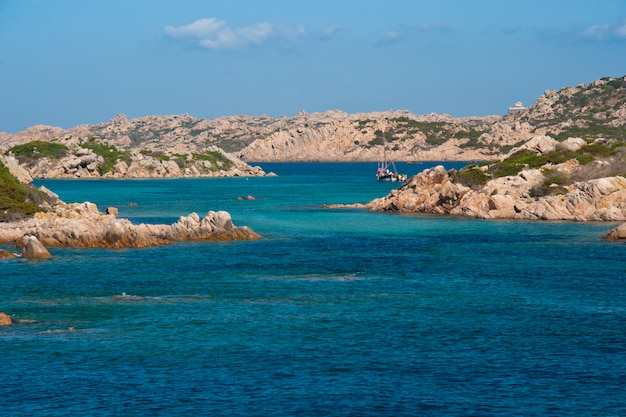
70,62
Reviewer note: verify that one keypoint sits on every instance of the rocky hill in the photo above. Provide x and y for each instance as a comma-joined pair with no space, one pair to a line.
70,157
593,110
541,180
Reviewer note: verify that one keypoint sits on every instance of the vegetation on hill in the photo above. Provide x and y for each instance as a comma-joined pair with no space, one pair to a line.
17,201
217,159
610,158
109,153
587,111
29,153
150,131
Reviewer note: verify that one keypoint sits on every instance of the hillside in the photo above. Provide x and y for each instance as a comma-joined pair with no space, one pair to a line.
593,110
70,157
18,201
589,111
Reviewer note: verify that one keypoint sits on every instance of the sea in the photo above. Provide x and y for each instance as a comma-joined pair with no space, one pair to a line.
334,312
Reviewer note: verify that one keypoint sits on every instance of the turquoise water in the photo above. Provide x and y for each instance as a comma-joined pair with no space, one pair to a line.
334,312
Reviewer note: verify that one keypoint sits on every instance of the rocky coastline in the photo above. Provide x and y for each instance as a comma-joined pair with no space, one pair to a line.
546,192
84,163
83,225
434,192
56,223
577,133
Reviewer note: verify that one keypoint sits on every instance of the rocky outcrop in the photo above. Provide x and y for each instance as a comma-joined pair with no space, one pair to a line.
82,225
5,319
14,167
5,254
545,187
434,191
83,162
33,248
619,233
337,136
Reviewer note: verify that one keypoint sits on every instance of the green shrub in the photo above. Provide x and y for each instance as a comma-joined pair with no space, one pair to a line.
158,155
593,129
471,176
552,185
616,83
555,179
471,134
362,124
217,160
543,191
379,139
38,149
585,159
595,149
17,201
514,164
109,153
435,141
527,158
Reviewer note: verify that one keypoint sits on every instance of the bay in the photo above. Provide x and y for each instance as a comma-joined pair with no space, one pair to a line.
333,312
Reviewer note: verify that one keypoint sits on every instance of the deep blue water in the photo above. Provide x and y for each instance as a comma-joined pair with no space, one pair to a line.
333,313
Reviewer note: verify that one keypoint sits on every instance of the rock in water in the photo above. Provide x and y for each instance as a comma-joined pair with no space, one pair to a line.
5,254
82,225
34,249
619,233
5,319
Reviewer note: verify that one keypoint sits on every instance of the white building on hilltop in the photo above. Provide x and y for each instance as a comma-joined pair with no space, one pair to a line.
517,108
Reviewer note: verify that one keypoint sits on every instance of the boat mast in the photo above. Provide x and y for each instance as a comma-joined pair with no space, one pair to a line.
385,165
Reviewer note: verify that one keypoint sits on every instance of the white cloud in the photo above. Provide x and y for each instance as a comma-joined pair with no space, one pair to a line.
201,28
390,37
214,34
606,32
330,31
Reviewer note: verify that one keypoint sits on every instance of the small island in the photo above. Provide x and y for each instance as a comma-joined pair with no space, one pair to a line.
34,219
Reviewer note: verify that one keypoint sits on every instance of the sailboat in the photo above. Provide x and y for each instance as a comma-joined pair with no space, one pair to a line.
385,173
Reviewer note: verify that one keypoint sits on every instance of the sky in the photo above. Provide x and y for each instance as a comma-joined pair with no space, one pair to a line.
69,62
